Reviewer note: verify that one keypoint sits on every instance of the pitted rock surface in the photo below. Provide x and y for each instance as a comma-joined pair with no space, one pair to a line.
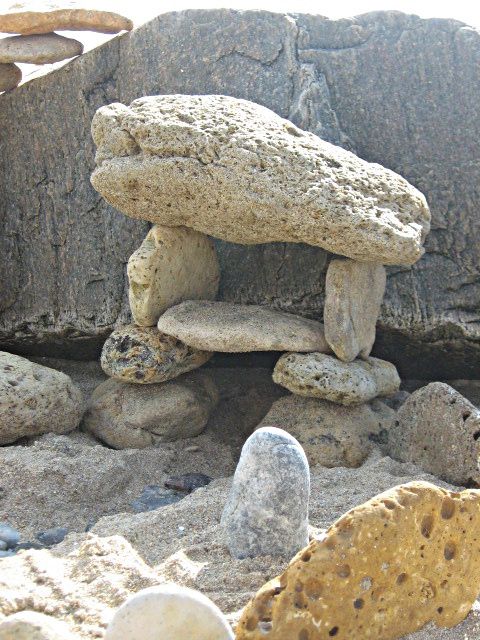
405,558
145,355
35,400
171,265
438,430
317,375
133,416
332,435
236,170
236,328
38,49
353,297
40,16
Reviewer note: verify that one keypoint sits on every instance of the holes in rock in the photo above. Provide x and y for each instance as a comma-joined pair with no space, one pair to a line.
366,583
313,589
343,571
265,626
303,635
465,415
390,504
440,609
333,631
402,578
449,551
12,383
476,435
427,526
358,603
448,508
306,556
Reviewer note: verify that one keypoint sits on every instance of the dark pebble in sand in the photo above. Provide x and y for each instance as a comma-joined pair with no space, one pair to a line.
9,535
52,536
187,482
154,497
29,545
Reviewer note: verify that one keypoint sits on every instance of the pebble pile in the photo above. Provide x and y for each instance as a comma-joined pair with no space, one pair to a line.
36,42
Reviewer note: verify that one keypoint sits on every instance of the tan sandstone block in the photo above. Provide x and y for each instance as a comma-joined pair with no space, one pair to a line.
173,264
353,296
385,569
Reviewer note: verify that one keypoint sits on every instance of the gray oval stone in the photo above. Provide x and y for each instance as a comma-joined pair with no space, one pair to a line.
267,509
9,535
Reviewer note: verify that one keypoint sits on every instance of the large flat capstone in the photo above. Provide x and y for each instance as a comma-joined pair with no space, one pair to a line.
236,170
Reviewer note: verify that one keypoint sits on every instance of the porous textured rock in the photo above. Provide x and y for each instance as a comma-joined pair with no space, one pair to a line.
236,170
171,265
131,416
169,612
235,328
317,375
267,508
35,400
438,430
42,17
145,355
10,76
330,434
353,297
38,49
31,625
405,558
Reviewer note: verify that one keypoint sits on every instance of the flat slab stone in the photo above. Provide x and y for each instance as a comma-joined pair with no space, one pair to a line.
386,568
353,297
38,49
332,435
169,612
145,355
438,430
235,328
133,416
235,170
316,375
171,265
10,76
43,17
267,509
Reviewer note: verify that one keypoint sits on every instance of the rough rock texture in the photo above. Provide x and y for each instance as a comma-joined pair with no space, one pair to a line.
353,297
42,17
30,625
407,557
170,612
35,400
438,430
330,434
131,416
317,375
39,49
171,265
233,328
145,355
418,81
237,171
10,76
266,513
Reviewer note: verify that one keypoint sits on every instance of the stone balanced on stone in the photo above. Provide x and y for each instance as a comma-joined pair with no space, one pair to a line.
267,509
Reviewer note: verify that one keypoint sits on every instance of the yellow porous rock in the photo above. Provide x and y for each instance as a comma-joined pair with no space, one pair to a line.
408,556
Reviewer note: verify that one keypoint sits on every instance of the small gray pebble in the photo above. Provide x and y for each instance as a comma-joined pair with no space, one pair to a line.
154,497
51,537
9,535
3,545
187,482
29,545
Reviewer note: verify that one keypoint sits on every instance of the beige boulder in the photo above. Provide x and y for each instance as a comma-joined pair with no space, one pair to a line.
235,328
316,375
31,625
438,430
353,296
10,76
132,416
38,49
145,355
332,435
43,16
237,171
171,265
386,568
35,400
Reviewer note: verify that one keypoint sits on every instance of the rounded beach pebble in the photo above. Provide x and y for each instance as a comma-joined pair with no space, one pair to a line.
267,509
169,612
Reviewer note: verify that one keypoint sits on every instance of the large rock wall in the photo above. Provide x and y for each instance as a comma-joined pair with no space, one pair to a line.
395,89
